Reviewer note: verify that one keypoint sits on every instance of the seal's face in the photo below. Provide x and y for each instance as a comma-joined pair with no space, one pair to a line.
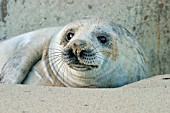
84,54
81,47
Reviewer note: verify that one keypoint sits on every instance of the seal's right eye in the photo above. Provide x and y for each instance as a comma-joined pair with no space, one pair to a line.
69,36
102,39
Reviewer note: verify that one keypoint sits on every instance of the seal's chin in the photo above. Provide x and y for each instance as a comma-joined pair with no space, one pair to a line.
81,67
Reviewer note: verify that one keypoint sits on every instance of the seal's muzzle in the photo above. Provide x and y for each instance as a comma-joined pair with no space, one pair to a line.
78,46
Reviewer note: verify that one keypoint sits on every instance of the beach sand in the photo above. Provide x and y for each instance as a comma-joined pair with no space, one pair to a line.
146,96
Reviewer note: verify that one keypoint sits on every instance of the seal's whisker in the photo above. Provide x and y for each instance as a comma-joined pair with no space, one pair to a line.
56,52
48,62
100,57
57,55
46,57
53,49
52,55
54,61
61,61
67,71
61,64
94,48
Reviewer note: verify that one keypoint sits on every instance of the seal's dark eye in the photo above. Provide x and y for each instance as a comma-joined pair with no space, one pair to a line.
69,36
102,39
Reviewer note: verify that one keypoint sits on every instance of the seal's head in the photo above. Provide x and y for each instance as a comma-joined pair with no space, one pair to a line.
86,53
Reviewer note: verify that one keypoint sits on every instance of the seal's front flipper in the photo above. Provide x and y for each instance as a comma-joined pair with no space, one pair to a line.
22,60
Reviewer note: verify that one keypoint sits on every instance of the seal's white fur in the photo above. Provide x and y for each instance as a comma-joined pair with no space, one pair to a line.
20,53
120,63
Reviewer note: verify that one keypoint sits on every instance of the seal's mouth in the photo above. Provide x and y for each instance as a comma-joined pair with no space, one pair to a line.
81,66
80,59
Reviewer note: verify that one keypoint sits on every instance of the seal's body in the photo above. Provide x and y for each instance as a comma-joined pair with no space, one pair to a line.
86,53
19,55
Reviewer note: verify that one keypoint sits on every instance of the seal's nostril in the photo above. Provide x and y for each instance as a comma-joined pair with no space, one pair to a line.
81,53
74,44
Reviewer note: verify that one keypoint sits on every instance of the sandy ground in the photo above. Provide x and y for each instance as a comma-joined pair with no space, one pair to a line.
147,96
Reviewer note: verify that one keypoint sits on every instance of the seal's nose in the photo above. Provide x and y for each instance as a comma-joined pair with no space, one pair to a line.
78,46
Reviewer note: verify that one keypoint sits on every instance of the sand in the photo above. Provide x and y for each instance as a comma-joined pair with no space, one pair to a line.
146,96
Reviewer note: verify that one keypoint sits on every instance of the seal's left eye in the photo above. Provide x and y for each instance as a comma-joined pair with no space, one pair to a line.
102,39
69,36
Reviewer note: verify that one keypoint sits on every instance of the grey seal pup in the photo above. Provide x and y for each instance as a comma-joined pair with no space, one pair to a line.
91,52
